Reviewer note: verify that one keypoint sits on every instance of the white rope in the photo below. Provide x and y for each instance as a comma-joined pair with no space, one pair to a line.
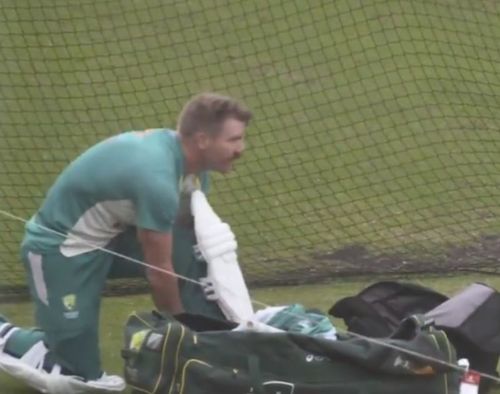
96,247
369,339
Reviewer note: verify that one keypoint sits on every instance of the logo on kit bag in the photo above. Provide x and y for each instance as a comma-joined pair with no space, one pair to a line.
409,365
312,357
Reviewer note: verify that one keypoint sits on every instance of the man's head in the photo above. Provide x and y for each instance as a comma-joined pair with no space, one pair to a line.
213,128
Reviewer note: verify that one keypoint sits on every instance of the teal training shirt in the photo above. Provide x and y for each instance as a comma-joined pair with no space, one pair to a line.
131,179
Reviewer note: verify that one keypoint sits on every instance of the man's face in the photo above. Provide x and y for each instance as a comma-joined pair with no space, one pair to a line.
226,146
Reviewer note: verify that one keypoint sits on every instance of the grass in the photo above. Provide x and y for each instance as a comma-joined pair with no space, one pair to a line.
116,310
375,122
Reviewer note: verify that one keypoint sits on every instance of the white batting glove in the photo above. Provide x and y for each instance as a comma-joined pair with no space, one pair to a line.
217,239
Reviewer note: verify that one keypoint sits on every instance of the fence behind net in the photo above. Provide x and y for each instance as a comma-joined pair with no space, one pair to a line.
375,145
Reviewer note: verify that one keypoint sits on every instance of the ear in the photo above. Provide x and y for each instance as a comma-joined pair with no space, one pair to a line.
202,140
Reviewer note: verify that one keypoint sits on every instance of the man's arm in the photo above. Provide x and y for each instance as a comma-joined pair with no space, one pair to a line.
157,248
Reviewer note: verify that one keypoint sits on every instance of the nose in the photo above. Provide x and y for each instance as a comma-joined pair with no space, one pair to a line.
238,152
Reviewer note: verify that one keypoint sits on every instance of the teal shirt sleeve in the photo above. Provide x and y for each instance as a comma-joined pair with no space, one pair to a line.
156,203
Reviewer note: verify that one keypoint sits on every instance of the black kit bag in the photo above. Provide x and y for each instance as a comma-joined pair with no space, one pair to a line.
471,318
378,309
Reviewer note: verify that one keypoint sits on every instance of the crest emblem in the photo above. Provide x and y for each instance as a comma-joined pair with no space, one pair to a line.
69,302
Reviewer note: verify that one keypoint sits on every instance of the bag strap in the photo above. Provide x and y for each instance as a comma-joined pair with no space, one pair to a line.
255,374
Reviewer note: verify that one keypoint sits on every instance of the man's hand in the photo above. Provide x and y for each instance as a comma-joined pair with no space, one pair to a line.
157,248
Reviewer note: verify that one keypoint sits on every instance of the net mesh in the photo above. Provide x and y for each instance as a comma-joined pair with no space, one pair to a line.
375,144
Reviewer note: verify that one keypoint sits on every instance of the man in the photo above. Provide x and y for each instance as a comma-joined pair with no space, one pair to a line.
129,183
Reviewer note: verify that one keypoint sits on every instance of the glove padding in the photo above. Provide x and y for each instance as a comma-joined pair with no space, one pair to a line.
216,240
29,369
217,244
209,289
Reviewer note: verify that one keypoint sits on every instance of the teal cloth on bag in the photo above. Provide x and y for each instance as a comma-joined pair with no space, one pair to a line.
296,318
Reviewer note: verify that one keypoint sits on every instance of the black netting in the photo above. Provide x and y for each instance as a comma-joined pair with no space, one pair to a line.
375,145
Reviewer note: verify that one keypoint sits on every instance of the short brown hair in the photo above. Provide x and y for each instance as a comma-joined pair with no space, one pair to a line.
207,112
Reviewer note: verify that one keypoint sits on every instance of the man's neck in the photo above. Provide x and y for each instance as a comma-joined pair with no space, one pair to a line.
192,162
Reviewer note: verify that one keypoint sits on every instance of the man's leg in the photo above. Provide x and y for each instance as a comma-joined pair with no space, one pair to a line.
17,342
20,340
67,293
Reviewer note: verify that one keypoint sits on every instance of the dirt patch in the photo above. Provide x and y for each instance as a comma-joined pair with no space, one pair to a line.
354,260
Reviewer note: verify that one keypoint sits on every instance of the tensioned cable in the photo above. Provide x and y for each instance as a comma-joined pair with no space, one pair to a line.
256,302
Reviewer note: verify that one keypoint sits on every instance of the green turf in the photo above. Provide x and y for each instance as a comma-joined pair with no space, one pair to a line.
116,310
376,122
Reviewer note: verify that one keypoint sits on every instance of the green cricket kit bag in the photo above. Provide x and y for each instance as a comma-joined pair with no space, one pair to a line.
164,356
